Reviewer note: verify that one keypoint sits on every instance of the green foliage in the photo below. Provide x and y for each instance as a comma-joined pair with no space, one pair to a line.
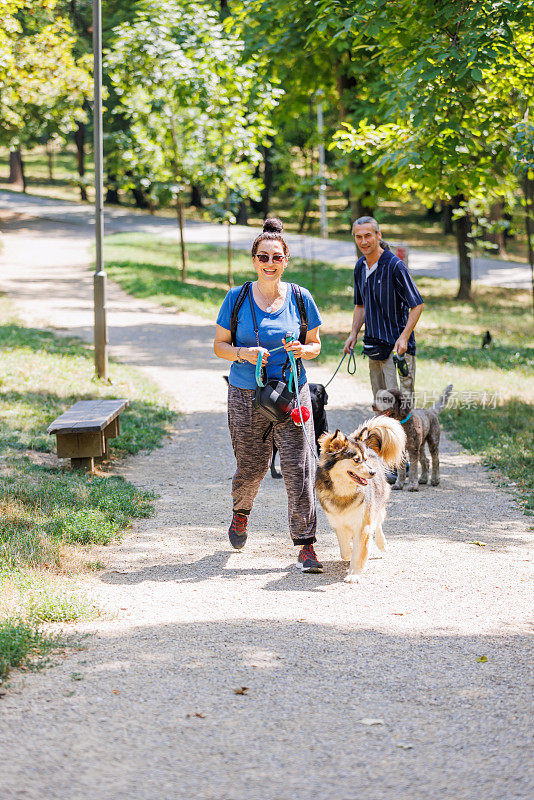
196,112
460,79
313,58
43,86
20,643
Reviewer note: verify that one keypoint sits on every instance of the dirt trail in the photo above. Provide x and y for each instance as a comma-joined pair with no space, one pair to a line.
155,713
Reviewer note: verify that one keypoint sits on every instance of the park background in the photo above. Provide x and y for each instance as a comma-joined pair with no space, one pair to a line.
211,114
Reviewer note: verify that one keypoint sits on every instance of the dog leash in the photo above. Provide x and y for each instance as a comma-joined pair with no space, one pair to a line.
293,382
351,366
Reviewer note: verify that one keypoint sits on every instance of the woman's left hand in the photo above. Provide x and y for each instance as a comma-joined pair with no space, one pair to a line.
295,347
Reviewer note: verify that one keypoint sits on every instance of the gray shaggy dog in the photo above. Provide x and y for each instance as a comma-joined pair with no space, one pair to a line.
421,426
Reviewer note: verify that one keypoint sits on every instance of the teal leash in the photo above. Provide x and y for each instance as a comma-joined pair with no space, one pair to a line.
351,366
293,382
293,379
258,365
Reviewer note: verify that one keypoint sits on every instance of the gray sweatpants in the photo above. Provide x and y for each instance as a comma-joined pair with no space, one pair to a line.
253,455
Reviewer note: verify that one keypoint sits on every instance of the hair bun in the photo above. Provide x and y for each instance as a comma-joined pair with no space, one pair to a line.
273,225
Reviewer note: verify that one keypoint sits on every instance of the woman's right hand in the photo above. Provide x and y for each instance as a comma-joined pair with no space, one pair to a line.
250,354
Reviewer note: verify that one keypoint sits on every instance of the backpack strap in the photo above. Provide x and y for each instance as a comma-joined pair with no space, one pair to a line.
302,311
235,311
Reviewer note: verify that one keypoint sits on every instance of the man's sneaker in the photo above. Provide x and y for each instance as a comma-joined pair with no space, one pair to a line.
237,532
307,560
391,476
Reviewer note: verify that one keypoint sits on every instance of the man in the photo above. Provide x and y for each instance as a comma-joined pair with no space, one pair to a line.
387,300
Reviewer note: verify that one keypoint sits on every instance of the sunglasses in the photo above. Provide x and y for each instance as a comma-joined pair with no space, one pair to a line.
265,258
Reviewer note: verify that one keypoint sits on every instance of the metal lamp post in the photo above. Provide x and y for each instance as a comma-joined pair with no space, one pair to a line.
99,280
319,96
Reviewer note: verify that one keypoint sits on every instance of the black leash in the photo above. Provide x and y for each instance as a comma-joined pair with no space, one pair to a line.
351,366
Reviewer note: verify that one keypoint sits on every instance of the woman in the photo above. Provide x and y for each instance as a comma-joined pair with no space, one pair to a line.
272,308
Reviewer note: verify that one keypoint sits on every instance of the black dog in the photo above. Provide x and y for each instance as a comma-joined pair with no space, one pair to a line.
319,399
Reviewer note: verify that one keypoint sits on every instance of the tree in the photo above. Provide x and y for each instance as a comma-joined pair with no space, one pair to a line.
308,53
523,149
196,113
114,12
457,77
42,85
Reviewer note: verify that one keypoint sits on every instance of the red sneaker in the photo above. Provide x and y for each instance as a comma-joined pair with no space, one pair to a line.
237,532
307,560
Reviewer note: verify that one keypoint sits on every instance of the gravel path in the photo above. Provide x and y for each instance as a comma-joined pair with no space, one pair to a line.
146,709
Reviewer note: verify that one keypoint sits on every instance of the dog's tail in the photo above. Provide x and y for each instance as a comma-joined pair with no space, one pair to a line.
385,436
442,401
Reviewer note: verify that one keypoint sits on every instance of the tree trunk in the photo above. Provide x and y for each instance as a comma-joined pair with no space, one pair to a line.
462,230
112,196
267,180
229,241
112,190
16,169
362,207
528,189
79,139
346,89
179,202
305,211
50,160
448,227
432,213
242,213
196,196
139,197
180,218
496,214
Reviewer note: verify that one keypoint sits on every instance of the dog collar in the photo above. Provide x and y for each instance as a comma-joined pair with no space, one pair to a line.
402,421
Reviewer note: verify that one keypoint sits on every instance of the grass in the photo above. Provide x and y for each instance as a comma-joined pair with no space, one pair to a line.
449,339
22,644
504,438
53,520
45,508
43,374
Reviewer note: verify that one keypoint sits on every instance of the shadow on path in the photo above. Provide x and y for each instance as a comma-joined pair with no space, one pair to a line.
160,707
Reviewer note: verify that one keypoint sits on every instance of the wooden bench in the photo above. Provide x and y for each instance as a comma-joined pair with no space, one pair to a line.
83,431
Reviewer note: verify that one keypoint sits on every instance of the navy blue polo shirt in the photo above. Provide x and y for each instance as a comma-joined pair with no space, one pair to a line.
387,295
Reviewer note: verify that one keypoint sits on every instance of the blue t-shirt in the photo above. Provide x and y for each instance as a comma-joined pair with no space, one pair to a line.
272,329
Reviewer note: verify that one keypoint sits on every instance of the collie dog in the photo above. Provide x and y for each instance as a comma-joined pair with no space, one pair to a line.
352,487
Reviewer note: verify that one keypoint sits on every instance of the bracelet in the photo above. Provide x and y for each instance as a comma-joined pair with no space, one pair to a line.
239,359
